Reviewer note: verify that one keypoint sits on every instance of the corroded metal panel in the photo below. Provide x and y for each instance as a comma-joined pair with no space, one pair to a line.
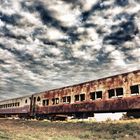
113,105
106,104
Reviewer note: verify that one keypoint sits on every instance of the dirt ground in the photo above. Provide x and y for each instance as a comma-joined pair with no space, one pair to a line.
69,130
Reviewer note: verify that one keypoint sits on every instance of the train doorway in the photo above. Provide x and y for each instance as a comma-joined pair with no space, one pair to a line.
33,106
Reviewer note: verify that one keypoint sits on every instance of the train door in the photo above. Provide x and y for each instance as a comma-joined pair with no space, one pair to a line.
33,106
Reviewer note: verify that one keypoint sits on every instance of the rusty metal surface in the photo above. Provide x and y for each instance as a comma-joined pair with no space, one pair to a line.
113,105
106,104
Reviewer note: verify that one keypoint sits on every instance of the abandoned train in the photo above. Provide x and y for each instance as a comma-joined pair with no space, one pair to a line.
117,93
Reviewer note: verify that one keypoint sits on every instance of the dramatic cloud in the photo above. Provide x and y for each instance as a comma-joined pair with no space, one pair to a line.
50,44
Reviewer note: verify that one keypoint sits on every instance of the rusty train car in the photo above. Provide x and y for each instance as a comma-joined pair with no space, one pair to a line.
119,93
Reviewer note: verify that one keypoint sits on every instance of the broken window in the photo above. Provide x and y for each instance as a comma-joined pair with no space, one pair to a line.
111,93
134,89
46,102
68,99
76,98
26,101
18,104
53,101
64,99
82,97
57,100
38,98
96,95
43,103
92,95
119,92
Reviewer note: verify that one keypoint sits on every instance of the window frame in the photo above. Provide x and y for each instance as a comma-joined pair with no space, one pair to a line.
45,102
138,90
93,95
115,92
79,97
66,99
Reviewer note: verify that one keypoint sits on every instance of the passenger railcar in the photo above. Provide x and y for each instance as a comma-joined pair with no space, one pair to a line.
17,106
117,93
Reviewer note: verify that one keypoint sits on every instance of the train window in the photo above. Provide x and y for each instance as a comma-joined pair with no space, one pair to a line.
26,101
96,95
82,97
53,101
18,104
57,100
99,95
38,98
46,102
134,89
64,99
43,102
76,98
68,99
111,93
119,91
92,95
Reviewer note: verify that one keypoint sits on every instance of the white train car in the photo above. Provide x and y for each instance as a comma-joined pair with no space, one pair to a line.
17,106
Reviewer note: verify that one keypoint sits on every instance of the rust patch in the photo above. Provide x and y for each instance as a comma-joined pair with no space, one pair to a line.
112,105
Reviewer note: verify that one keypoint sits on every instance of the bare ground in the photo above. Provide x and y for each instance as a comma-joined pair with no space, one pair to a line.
69,130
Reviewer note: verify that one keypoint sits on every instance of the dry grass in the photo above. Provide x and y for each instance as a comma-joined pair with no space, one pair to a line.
70,130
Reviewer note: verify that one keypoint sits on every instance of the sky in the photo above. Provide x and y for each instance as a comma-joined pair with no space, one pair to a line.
50,44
